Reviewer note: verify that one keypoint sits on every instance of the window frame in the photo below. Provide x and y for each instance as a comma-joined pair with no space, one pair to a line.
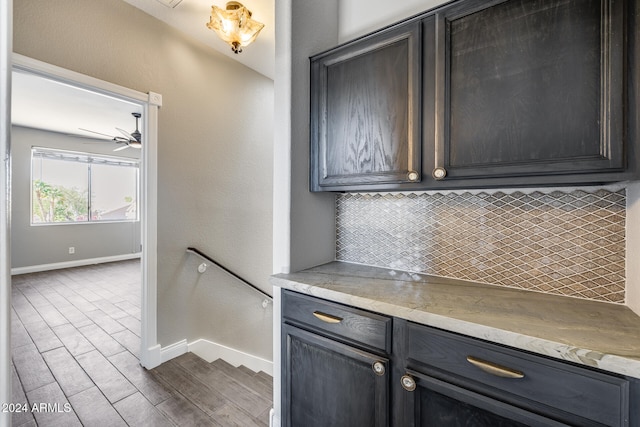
88,159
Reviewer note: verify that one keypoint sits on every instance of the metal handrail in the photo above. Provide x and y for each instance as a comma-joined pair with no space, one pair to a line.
217,264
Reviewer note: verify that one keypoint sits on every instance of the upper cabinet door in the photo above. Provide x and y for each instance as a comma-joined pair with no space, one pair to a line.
365,111
529,88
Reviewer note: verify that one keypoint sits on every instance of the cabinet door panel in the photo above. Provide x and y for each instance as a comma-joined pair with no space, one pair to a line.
366,120
365,111
437,403
330,384
531,88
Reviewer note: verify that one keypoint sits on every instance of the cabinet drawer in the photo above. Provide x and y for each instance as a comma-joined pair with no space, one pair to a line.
337,321
520,378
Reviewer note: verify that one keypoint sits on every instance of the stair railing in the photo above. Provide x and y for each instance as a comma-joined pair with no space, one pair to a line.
202,268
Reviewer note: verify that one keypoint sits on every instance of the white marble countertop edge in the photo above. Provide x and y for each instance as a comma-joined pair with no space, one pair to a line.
588,357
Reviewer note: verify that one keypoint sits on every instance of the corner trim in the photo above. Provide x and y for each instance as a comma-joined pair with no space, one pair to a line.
274,421
152,357
155,99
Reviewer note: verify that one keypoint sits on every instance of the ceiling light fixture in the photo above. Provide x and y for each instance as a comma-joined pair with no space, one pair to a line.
234,25
170,3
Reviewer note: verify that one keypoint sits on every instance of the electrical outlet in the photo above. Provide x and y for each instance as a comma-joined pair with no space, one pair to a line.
72,250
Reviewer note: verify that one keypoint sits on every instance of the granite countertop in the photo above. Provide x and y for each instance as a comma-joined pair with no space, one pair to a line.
602,335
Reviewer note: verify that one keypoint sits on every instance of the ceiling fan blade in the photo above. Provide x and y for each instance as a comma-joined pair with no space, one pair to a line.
98,133
86,139
125,133
124,147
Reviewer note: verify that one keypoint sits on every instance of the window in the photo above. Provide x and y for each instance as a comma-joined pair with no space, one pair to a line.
69,187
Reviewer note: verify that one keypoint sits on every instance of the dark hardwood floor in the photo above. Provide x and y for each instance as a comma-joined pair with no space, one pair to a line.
75,344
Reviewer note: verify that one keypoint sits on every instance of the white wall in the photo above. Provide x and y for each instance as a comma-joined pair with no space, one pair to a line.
215,148
360,17
41,245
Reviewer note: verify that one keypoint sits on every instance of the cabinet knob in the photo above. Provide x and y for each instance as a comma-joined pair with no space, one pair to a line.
408,383
379,368
413,176
439,173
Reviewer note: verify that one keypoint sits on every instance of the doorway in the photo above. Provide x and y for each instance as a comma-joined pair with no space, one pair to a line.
148,105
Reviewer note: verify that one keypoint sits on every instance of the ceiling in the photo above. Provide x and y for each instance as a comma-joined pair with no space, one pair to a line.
42,103
191,17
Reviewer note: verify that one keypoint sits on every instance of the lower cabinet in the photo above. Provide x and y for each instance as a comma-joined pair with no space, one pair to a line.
343,366
332,384
447,377
336,370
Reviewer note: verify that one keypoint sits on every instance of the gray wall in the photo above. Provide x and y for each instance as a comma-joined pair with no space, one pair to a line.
304,222
214,155
40,245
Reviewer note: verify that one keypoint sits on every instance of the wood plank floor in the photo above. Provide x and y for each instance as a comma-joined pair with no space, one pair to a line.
75,345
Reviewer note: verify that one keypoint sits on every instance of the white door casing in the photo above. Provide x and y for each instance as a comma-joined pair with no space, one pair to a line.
151,102
6,33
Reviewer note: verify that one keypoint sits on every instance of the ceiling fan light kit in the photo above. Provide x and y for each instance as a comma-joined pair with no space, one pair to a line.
234,25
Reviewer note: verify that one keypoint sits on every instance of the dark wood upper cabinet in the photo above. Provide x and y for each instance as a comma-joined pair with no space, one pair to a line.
530,88
365,118
479,94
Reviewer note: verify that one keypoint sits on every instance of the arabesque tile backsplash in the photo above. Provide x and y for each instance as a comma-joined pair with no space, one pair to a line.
559,242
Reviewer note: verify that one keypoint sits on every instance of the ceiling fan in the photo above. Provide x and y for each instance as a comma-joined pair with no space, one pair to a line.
133,139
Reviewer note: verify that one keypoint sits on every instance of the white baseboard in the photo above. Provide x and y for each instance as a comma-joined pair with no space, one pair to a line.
75,263
174,350
211,351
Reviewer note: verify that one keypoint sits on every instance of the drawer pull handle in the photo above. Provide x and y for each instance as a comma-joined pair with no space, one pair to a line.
327,317
494,369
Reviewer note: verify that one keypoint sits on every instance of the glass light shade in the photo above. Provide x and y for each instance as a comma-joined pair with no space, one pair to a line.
234,25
